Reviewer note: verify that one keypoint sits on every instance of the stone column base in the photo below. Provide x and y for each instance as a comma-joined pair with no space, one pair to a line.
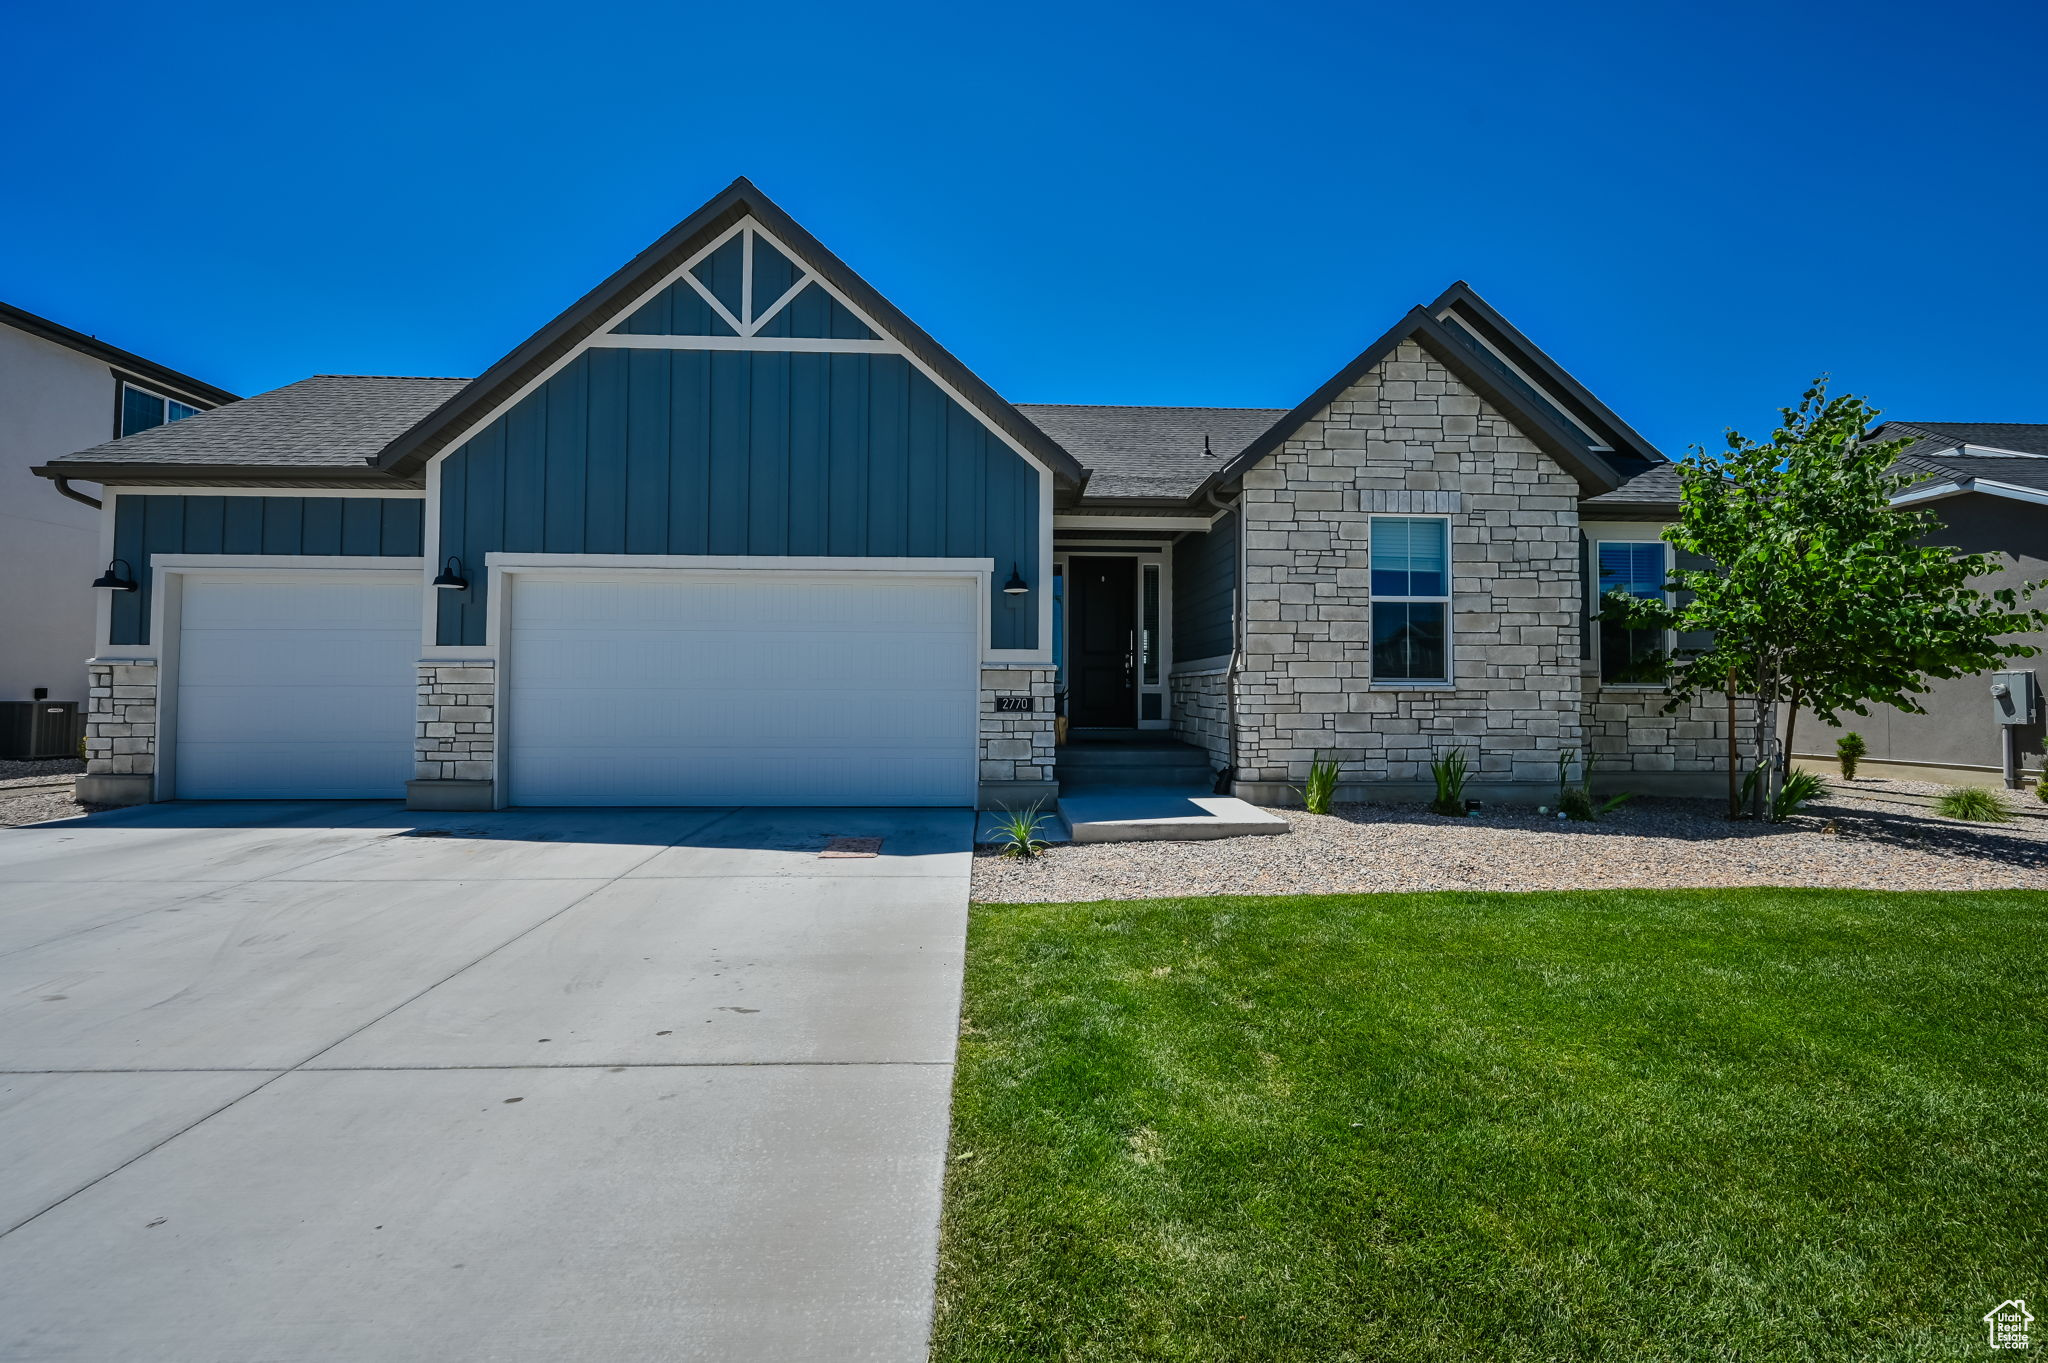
112,789
451,795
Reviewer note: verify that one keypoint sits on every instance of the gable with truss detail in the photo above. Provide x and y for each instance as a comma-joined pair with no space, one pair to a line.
747,285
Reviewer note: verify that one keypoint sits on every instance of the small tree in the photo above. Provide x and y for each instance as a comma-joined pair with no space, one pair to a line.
1822,594
1849,751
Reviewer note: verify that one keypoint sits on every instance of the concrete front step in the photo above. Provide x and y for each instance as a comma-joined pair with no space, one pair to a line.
1129,754
1156,814
1161,764
1176,777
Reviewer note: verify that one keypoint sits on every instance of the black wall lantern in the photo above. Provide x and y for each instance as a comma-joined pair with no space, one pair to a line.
1015,586
114,580
451,575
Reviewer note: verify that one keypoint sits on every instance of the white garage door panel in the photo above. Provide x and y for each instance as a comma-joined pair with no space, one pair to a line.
765,688
294,686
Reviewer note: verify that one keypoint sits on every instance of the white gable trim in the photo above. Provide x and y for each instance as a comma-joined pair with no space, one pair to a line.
1934,492
747,340
785,344
886,346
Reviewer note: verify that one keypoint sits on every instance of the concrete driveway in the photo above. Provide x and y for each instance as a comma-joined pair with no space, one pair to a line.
307,1081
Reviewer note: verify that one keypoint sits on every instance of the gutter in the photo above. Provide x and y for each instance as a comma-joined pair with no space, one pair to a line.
64,488
201,476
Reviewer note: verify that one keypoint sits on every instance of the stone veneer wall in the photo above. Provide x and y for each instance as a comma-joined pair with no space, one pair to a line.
1629,734
1408,438
456,736
1016,748
120,719
1201,712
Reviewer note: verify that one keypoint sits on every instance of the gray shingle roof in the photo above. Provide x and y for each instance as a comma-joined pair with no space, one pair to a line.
2025,436
1149,451
327,421
1992,468
1657,486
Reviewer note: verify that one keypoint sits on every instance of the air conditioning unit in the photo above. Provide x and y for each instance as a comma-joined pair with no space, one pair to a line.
33,729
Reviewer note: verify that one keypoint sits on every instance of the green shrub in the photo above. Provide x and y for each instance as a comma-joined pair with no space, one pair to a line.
1448,772
1801,788
1017,833
1972,804
1849,750
1576,802
1321,790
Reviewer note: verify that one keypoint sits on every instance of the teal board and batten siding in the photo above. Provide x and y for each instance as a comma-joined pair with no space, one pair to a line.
149,524
740,453
1204,590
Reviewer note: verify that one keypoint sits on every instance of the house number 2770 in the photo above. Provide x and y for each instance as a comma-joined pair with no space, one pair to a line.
1011,704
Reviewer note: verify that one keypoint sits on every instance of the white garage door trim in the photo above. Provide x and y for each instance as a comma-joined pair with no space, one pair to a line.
174,572
956,787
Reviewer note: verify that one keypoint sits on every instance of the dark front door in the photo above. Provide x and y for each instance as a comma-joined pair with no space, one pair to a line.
1102,643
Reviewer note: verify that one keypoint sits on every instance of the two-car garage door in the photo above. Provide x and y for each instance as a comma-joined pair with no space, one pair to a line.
647,688
766,687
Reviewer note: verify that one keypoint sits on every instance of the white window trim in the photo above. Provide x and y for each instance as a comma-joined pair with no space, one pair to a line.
1603,535
1449,681
121,407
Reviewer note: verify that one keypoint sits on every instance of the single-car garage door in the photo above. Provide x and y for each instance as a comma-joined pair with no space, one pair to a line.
764,687
296,684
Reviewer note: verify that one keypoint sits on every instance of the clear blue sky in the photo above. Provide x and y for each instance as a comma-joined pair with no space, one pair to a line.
1693,206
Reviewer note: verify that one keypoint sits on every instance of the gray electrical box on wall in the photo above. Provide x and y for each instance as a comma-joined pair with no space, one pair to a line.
2013,699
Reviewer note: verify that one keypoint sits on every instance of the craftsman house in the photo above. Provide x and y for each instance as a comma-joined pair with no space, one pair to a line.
733,529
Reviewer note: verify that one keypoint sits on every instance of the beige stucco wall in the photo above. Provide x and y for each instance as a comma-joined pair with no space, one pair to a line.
53,401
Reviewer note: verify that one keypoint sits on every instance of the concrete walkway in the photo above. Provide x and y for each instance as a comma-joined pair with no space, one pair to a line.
292,1082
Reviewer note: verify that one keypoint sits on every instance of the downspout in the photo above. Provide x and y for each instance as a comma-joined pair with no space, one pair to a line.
64,487
1236,629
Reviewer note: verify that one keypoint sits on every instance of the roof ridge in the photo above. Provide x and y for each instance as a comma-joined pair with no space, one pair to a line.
424,378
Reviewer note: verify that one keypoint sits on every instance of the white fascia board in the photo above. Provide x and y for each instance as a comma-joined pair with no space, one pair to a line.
2012,490
1956,487
1072,520
1931,492
1994,452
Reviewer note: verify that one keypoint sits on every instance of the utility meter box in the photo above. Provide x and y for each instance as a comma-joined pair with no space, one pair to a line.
2013,697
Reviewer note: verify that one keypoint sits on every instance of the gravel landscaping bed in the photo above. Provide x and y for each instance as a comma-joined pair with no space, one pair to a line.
1869,834
31,792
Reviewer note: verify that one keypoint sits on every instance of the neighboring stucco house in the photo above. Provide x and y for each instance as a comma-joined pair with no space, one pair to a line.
733,529
61,390
1987,482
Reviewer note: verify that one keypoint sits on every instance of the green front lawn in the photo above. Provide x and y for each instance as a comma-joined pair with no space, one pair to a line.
1750,1124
